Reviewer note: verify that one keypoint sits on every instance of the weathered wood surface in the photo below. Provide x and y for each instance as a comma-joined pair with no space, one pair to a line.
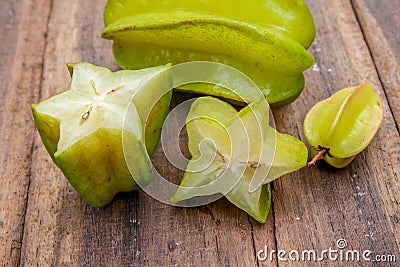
44,223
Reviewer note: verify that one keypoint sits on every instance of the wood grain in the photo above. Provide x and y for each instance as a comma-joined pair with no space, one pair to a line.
57,219
315,207
380,21
43,222
135,229
22,51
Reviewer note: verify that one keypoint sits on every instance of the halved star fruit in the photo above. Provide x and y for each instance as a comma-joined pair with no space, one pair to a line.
341,126
94,129
236,154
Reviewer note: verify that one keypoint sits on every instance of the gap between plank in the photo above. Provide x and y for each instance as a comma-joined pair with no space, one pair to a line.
273,213
253,241
373,60
33,135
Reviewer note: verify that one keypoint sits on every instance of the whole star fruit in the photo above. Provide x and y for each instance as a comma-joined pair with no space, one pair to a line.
267,49
293,16
94,129
236,154
341,126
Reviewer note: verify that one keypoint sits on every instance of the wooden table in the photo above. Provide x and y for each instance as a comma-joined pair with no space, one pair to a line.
43,222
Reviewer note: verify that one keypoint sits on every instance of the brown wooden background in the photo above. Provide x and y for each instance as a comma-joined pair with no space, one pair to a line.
44,223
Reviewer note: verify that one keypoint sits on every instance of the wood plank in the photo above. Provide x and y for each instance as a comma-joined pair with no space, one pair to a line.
135,229
57,219
315,207
9,14
22,48
380,22
54,232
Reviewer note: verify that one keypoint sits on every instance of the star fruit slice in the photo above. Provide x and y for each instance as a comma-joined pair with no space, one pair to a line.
341,126
237,154
94,131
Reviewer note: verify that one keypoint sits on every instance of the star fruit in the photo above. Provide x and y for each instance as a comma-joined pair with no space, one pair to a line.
266,40
236,154
94,130
341,126
293,16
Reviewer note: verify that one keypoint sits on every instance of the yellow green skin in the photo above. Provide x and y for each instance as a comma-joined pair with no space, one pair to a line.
95,159
345,123
273,56
212,119
291,16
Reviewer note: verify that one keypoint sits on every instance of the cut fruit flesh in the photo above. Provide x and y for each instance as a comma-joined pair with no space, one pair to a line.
93,131
236,154
151,91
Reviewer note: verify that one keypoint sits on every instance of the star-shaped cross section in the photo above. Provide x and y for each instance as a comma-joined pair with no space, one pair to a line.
236,154
94,131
